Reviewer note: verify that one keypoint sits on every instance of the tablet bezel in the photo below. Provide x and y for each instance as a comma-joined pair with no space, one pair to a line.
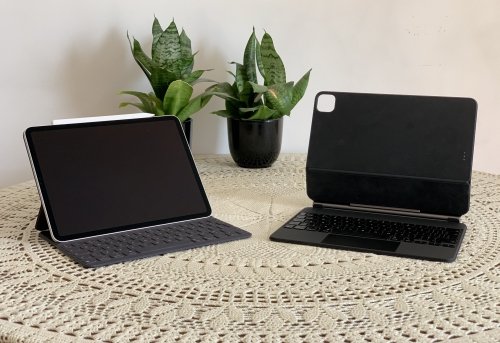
46,202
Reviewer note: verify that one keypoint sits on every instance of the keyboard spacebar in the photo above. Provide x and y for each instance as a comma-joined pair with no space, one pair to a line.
360,242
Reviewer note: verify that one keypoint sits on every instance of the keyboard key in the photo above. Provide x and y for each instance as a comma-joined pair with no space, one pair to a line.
375,229
109,249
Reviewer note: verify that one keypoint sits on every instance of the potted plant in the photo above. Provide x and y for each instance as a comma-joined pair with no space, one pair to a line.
170,73
255,111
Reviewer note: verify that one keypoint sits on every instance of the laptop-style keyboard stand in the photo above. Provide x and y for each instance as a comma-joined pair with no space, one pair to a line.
375,229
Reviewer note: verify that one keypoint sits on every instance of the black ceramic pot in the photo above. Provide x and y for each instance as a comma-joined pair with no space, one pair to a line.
186,125
254,143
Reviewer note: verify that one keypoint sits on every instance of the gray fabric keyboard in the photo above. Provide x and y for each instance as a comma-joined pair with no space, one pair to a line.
134,244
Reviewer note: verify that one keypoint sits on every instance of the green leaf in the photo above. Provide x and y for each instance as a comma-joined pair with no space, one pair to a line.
195,75
135,104
259,88
241,77
177,97
272,64
249,109
279,97
150,103
223,113
185,42
258,57
143,60
202,80
224,96
232,107
249,59
160,80
196,104
300,88
186,66
223,90
168,48
247,95
264,113
157,31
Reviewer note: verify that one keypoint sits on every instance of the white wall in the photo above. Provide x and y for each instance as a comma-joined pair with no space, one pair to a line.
67,59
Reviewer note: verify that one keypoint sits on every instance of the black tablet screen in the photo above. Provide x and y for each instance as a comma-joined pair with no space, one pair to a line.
104,177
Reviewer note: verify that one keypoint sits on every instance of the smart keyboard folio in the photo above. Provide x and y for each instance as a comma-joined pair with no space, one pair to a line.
388,158
119,190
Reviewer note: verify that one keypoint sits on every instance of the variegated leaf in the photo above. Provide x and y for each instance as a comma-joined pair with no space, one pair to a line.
186,52
167,49
300,88
258,59
272,64
279,97
143,60
156,30
249,59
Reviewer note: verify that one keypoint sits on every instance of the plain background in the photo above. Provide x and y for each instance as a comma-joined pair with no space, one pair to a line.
63,59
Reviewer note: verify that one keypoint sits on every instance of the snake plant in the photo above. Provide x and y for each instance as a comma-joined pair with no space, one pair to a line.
170,73
246,98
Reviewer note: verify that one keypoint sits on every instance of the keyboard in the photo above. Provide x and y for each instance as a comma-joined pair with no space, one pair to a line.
375,229
131,245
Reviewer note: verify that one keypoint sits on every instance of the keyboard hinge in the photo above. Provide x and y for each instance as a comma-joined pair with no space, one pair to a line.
387,210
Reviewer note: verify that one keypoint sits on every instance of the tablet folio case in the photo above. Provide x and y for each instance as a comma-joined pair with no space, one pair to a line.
398,151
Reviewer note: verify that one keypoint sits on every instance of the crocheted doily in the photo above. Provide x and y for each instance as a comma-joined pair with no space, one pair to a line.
250,290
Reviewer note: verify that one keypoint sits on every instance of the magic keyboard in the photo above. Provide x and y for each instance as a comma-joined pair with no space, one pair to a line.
375,229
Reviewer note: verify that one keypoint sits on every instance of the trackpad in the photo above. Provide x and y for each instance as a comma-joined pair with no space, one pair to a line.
360,242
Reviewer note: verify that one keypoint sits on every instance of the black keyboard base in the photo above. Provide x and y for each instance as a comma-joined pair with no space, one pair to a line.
362,239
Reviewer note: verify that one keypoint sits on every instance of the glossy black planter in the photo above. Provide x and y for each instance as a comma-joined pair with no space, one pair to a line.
254,143
186,125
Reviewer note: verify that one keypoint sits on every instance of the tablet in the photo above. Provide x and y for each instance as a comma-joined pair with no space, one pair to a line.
105,177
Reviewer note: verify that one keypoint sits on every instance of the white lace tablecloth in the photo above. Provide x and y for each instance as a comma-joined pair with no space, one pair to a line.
251,290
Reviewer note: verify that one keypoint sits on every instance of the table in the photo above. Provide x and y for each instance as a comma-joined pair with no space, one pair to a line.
251,290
